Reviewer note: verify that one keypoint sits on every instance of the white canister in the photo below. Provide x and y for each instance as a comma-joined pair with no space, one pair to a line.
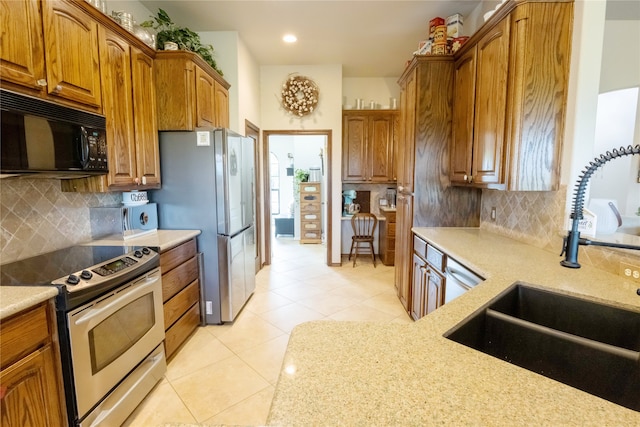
314,174
608,216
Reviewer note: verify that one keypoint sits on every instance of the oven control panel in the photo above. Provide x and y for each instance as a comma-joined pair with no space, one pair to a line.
111,270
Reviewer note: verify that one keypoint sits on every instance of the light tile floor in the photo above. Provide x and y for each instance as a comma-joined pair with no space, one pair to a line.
226,375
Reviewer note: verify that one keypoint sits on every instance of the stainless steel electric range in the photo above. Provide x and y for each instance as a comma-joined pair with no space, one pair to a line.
110,321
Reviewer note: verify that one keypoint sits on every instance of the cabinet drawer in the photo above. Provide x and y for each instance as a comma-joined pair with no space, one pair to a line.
310,187
176,256
435,258
310,225
391,229
311,235
23,334
176,306
181,330
420,247
175,280
306,207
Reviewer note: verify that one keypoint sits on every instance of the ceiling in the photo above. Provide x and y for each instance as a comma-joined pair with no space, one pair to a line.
370,38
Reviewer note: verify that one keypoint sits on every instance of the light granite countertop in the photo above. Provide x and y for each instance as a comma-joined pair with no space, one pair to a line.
163,239
14,299
351,373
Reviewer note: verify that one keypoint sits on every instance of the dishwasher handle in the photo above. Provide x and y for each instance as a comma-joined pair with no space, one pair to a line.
462,276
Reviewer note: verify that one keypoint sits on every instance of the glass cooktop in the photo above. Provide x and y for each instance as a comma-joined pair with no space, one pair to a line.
41,270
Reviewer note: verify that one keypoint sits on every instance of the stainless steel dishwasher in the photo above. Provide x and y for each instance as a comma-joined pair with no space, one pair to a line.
459,279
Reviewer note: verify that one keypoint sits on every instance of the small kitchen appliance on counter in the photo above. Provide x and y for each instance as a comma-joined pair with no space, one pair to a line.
123,222
348,205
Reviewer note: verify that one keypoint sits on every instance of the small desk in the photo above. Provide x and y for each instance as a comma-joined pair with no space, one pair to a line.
347,231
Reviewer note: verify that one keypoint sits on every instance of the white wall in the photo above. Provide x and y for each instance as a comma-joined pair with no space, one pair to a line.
379,90
620,70
328,115
137,10
582,99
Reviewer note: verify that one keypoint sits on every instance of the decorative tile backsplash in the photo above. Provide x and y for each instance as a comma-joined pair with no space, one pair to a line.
537,218
37,217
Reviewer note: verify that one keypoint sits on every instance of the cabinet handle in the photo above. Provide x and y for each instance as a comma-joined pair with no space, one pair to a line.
41,82
470,179
465,178
400,188
144,180
58,89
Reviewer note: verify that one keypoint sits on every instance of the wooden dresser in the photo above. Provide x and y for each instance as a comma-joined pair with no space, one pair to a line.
387,243
310,213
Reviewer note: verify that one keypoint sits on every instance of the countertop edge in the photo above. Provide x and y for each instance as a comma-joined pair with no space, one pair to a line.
14,299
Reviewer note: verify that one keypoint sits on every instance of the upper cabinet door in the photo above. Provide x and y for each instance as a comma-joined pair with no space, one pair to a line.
491,105
354,134
145,119
222,106
205,94
538,85
22,53
71,53
118,107
380,148
464,94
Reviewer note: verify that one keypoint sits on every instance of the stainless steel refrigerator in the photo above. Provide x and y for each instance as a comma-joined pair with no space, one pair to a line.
208,184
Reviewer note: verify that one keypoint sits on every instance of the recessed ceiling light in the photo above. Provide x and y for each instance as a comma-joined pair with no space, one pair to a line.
290,38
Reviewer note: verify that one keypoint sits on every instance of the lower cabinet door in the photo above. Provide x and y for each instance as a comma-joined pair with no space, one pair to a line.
418,287
30,393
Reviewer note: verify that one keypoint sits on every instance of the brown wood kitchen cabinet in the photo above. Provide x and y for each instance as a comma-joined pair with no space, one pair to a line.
425,197
30,369
130,110
37,60
510,92
191,93
387,236
428,279
180,294
368,145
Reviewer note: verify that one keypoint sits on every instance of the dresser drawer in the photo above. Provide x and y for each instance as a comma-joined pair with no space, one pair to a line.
309,225
309,187
306,207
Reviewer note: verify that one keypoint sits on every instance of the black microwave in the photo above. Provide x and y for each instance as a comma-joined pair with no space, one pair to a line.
42,137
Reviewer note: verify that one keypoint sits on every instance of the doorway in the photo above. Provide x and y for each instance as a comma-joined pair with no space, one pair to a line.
252,131
287,162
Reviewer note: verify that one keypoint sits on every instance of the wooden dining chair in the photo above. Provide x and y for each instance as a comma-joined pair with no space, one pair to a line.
364,226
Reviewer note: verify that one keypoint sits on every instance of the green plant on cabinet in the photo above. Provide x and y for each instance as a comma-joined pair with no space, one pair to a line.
168,31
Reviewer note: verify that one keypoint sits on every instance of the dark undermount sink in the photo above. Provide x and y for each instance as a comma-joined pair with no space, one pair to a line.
590,346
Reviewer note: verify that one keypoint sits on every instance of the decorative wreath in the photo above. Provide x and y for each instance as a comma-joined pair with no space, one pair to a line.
299,95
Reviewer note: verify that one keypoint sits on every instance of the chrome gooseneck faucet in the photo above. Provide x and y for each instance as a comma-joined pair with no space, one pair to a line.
573,239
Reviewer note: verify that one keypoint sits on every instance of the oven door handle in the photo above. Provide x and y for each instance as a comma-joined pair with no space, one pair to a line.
116,299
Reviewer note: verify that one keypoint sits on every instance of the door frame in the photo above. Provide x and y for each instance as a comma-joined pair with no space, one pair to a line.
253,131
267,188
